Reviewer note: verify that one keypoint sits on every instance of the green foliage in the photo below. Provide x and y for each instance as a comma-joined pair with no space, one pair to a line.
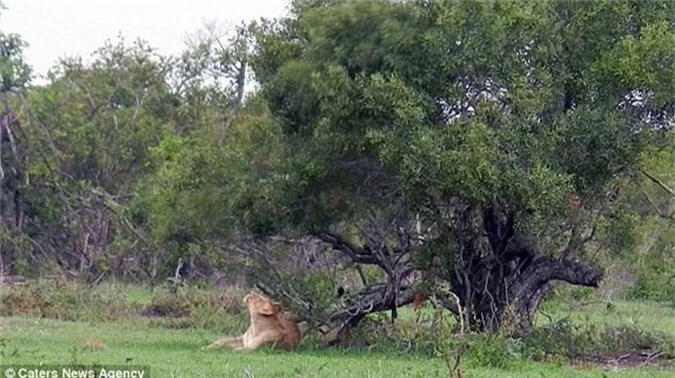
374,79
101,118
415,107
368,107
68,301
576,340
654,262
14,72
193,307
80,144
496,351
364,109
189,307
203,191
593,334
620,232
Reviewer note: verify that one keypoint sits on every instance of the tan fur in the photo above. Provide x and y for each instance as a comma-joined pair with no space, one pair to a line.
269,326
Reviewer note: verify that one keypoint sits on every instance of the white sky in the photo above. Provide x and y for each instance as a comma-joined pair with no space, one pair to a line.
58,28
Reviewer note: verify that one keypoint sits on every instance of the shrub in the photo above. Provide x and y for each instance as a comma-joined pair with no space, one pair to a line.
66,301
191,307
564,338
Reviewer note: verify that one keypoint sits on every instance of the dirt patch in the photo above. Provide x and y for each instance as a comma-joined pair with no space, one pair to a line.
628,360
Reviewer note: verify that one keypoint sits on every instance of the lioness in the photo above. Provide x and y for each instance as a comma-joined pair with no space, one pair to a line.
269,326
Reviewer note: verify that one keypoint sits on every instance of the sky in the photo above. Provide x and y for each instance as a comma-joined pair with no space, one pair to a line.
58,28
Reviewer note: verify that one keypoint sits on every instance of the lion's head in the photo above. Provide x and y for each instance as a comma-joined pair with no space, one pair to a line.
269,326
261,305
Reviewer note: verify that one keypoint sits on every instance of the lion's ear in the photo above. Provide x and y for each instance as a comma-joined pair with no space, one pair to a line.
270,308
267,309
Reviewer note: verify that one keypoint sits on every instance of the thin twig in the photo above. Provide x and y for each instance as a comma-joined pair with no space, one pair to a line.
658,182
656,208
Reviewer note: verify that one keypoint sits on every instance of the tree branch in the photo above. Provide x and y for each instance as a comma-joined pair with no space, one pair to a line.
236,102
357,254
372,299
662,214
544,269
658,182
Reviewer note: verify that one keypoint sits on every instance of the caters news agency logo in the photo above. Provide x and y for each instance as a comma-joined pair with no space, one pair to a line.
71,372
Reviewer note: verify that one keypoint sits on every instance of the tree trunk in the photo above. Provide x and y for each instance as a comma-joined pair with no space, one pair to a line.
510,304
501,283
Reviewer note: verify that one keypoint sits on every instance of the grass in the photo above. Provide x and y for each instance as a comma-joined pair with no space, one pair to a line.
175,353
102,325
648,315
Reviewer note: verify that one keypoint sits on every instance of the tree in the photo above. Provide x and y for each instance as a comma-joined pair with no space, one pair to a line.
83,143
14,77
475,144
91,144
213,71
649,213
502,127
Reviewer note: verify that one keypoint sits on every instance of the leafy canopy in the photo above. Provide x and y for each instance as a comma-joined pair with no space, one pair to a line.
371,104
526,102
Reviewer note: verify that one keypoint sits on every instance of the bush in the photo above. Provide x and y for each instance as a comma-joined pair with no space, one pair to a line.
67,301
191,307
564,338
560,342
655,281
495,351
188,307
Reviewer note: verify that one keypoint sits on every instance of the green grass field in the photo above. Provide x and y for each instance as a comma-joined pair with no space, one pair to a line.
175,353
108,330
646,315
